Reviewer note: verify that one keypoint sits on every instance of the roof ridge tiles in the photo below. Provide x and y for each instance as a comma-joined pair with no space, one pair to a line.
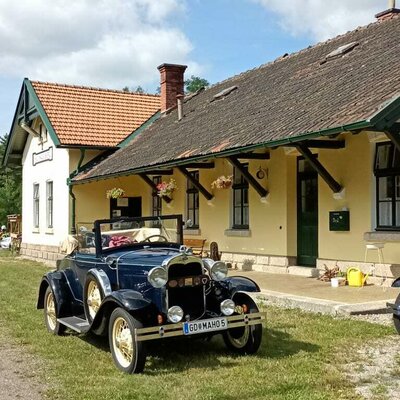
92,88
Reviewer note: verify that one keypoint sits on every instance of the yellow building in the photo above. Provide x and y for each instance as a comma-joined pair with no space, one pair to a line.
293,164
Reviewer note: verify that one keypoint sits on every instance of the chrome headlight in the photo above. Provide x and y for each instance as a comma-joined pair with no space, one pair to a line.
219,271
157,277
175,314
227,307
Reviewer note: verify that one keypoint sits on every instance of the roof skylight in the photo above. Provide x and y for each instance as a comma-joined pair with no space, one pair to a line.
224,93
340,51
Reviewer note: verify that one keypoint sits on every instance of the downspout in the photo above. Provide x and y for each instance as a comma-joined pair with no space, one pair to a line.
71,192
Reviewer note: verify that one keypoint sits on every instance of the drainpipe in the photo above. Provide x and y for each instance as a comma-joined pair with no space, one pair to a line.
71,192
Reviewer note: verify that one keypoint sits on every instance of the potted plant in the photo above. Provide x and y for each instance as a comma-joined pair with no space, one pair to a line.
165,189
115,193
222,182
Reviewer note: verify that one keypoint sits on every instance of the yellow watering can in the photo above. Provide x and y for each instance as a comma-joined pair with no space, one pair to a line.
355,277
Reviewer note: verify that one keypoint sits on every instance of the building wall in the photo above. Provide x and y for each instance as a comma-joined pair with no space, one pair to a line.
55,170
272,238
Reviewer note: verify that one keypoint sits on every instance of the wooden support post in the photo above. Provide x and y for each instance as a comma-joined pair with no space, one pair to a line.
248,177
154,187
323,173
196,183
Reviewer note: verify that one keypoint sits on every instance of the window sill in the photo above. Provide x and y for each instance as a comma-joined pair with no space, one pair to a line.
49,231
382,236
35,230
238,232
192,232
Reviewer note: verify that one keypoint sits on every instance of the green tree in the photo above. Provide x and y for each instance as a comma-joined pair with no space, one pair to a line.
10,186
135,89
194,83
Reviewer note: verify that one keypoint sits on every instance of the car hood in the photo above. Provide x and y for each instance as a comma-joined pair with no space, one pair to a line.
144,257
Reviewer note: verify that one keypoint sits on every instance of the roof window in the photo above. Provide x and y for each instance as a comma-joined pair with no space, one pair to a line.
340,51
224,93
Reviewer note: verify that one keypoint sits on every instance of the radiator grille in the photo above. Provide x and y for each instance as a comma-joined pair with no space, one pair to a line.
190,299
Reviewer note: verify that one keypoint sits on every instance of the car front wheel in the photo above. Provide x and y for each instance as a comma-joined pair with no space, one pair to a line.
246,339
50,314
128,354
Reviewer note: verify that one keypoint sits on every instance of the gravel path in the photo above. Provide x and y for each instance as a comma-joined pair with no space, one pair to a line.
19,378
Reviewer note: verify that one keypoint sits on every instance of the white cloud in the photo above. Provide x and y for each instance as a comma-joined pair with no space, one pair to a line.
321,19
107,43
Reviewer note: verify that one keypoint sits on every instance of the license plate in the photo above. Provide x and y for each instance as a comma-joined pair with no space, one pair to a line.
205,325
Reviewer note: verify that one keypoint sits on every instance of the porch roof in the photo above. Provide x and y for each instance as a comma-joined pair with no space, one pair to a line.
296,97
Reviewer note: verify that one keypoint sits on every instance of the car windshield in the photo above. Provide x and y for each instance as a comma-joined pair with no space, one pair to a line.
126,231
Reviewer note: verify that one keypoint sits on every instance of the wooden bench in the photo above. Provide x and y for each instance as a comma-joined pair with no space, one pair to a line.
197,245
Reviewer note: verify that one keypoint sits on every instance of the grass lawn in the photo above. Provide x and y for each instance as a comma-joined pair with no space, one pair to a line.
297,359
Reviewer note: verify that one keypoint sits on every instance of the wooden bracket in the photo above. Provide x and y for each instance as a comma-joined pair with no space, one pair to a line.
196,183
394,138
322,172
154,187
247,176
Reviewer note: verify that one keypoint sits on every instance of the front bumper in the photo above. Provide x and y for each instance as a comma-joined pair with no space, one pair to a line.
165,331
393,308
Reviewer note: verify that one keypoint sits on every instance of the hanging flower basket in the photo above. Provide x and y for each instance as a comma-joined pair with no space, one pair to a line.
115,193
222,182
166,188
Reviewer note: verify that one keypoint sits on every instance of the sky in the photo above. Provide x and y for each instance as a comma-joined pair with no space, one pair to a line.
117,43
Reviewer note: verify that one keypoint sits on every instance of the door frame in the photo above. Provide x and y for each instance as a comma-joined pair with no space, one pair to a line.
310,174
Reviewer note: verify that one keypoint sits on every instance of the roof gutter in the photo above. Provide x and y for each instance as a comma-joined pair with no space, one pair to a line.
274,143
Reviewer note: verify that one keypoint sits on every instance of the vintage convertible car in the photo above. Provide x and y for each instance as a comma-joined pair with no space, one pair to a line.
133,279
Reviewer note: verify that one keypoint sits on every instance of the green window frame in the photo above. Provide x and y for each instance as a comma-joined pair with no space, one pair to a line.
192,201
387,175
36,205
240,200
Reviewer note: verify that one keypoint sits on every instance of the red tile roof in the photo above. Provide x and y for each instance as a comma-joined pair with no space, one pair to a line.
94,117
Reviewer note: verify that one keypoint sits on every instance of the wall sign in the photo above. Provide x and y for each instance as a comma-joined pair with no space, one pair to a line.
42,156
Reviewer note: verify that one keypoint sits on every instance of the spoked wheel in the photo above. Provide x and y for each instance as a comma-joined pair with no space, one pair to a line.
246,339
93,296
50,314
129,355
396,318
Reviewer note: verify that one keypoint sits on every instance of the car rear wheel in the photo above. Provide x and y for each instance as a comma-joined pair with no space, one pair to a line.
128,354
50,314
396,318
247,339
93,296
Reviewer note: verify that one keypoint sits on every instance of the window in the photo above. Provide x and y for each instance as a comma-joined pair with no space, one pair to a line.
240,189
36,205
49,206
156,200
387,174
192,201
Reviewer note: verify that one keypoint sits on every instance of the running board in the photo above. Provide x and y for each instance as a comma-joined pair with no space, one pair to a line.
77,324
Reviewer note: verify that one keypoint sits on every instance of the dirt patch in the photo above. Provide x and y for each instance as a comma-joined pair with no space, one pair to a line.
376,371
19,374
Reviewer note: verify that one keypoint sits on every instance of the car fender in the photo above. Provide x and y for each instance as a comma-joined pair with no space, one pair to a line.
241,284
102,279
396,283
61,292
130,300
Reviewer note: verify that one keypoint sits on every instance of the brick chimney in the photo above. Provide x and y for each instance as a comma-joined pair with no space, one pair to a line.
390,13
172,84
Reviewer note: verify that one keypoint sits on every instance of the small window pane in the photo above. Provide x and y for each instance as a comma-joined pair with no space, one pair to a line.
382,156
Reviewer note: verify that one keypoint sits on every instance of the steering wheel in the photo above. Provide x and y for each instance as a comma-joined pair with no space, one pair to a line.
163,238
